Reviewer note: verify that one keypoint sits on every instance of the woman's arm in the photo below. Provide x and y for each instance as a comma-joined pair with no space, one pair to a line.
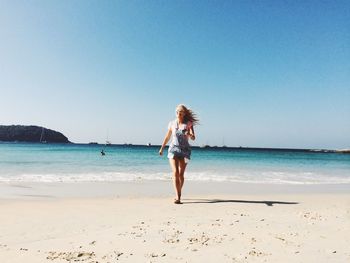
191,134
165,141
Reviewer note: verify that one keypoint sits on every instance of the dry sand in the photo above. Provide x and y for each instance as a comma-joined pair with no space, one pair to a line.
253,227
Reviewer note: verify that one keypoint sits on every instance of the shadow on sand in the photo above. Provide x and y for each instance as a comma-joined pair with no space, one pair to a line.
213,201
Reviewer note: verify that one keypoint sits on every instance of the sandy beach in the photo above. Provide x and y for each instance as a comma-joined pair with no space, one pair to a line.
135,222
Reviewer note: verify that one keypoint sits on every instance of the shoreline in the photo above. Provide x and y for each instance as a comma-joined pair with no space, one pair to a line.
157,188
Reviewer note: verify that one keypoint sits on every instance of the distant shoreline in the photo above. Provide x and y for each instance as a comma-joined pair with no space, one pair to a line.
206,147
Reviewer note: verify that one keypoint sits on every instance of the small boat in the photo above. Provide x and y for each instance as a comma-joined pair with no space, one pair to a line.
42,135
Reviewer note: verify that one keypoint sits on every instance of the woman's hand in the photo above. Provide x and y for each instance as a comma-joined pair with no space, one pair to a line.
166,139
190,134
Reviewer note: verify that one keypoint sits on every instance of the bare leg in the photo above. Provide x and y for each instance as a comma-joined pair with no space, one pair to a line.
182,168
174,163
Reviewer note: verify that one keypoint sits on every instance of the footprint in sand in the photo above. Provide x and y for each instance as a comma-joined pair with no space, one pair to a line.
253,240
255,253
285,241
76,256
114,255
139,231
203,239
217,222
155,255
173,238
312,216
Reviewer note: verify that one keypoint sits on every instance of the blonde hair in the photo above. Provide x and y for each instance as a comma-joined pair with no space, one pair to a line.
189,114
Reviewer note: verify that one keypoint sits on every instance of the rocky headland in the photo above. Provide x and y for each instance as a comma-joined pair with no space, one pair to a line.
22,133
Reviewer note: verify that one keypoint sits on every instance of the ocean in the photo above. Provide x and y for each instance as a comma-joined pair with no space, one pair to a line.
35,162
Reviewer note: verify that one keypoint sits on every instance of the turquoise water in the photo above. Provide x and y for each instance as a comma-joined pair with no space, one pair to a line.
80,163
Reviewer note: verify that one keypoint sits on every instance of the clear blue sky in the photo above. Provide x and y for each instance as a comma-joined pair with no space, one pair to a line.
258,73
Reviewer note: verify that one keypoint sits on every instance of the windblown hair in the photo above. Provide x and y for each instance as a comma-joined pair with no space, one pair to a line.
189,114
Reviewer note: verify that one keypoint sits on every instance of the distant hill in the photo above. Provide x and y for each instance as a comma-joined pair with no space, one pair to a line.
23,133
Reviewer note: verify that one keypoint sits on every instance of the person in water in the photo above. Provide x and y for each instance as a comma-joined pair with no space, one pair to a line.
103,152
179,152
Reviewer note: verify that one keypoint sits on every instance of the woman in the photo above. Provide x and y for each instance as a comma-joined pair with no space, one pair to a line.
179,152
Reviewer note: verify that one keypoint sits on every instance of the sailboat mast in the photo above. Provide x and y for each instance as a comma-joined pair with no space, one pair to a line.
42,134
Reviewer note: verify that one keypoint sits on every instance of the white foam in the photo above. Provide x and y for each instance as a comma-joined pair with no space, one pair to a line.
243,176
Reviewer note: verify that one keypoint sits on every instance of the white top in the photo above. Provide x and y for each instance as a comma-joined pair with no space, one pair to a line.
182,126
